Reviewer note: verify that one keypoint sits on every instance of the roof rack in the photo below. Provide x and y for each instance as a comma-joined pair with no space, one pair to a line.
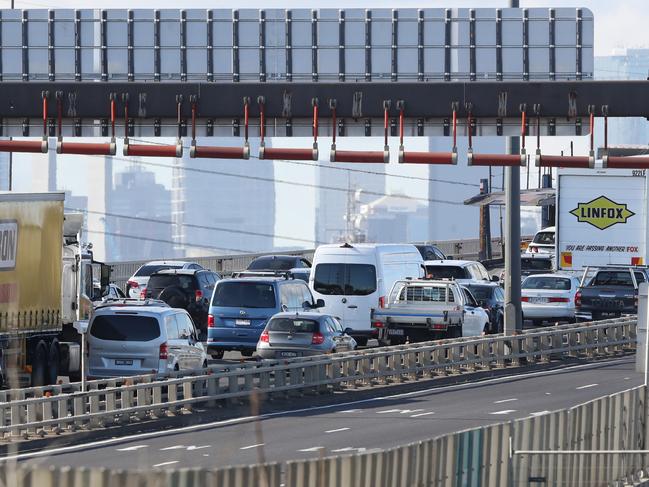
131,302
284,274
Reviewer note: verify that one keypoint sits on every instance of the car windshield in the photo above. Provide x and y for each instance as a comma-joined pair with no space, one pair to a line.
550,283
616,278
446,272
544,238
241,294
147,270
481,293
162,281
272,264
345,279
534,264
125,328
293,325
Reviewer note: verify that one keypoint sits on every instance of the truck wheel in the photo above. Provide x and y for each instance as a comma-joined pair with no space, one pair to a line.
39,365
217,354
53,360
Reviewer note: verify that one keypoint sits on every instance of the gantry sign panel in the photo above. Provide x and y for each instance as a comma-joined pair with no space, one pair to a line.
297,46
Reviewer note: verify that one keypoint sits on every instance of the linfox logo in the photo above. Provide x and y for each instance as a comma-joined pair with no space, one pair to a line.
602,213
8,244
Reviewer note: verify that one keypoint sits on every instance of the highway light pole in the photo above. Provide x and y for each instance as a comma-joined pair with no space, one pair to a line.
513,313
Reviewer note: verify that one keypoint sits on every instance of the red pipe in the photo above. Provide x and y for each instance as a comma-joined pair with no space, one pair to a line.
153,150
565,161
360,156
625,162
24,146
92,149
202,151
496,159
275,153
428,157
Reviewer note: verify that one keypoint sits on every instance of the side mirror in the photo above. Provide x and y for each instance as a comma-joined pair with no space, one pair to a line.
320,303
348,331
495,279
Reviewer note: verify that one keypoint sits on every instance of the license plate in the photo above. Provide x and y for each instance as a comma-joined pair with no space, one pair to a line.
288,354
123,362
396,331
242,322
538,300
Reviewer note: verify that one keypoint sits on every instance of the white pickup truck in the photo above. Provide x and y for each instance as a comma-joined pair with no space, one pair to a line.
423,309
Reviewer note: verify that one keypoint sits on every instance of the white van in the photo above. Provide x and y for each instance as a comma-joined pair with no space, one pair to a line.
353,279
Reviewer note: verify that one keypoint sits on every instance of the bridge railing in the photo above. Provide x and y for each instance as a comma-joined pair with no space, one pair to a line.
154,398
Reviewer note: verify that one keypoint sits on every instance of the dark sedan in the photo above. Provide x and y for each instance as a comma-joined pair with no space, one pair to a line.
491,297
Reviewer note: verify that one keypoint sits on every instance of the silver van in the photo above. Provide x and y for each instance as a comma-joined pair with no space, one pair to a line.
133,339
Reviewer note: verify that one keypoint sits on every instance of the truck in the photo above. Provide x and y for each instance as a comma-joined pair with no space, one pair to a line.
428,309
601,219
610,292
46,289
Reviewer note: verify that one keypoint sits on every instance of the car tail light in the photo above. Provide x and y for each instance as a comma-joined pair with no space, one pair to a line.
377,324
143,293
318,338
131,284
264,337
558,300
198,295
525,299
578,299
164,351
382,302
210,321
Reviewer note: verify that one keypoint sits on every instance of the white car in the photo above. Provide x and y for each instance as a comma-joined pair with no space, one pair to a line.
476,318
462,271
543,242
138,281
549,297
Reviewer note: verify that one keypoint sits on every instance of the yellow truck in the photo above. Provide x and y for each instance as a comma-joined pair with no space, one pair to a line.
46,287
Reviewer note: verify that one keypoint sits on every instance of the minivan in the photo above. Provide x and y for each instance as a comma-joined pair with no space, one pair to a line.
353,279
134,339
241,308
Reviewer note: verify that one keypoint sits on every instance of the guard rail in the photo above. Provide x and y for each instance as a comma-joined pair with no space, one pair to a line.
53,414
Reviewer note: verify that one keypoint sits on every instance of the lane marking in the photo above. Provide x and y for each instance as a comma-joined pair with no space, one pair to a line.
251,446
389,411
504,411
349,448
587,386
337,430
175,447
422,414
163,464
133,448
539,413
227,422
349,411
313,448
192,448
505,400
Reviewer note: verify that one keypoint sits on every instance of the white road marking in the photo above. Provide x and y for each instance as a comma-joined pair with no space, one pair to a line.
548,393
349,411
206,454
422,414
251,446
587,386
409,411
349,448
504,411
313,448
192,448
539,413
175,447
337,430
627,378
505,400
133,448
163,464
243,419
389,411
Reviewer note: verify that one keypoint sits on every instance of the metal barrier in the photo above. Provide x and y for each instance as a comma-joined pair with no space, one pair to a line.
467,249
151,399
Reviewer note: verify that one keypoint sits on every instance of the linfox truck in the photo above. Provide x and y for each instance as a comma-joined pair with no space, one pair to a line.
601,218
46,286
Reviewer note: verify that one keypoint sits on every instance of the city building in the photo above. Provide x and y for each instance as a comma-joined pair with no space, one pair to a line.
393,219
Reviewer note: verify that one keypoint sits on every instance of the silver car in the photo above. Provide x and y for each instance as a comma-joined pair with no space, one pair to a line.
127,338
300,334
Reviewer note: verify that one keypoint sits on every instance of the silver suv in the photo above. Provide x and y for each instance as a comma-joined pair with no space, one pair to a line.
130,338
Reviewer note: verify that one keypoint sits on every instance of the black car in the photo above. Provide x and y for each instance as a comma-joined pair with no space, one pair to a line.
491,297
431,252
297,266
189,289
